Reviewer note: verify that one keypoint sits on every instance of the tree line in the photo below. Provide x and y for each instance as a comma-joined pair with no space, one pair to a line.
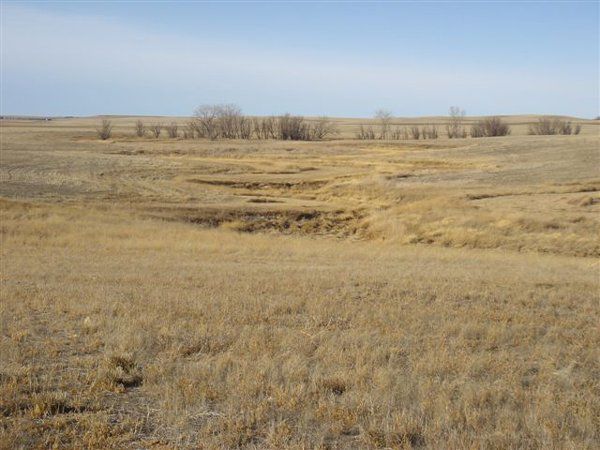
228,122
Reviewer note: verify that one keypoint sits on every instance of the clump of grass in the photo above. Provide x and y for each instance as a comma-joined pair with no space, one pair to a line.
335,385
120,372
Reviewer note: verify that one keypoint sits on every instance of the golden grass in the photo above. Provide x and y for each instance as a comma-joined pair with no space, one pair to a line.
379,295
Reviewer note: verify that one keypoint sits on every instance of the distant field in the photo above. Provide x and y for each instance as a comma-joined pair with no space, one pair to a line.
171,293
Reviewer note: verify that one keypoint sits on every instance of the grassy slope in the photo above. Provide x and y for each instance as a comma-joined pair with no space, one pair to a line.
126,321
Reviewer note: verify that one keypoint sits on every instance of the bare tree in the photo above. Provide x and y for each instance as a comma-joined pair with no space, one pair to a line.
455,127
385,121
156,129
140,129
268,127
172,130
105,130
257,128
206,117
264,127
229,119
322,128
245,128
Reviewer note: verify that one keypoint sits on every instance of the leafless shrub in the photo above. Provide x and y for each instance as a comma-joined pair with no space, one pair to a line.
429,132
384,117
477,130
140,129
172,130
264,127
256,128
489,127
544,126
225,121
323,128
415,133
244,128
229,119
190,130
397,133
548,126
565,128
455,127
365,133
105,130
292,128
206,117
577,129
156,129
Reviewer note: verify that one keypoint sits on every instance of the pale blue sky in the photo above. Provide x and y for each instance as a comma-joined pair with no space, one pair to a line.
339,59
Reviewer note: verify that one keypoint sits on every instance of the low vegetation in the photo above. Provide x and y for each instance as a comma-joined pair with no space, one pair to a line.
455,128
173,293
156,130
172,130
490,127
216,122
227,122
548,126
105,129
140,129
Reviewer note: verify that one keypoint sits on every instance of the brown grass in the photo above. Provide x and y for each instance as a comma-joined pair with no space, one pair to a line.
379,295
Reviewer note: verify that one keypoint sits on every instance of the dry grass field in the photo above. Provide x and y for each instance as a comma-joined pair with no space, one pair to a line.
179,293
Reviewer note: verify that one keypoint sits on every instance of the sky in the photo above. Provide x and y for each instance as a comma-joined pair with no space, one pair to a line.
343,59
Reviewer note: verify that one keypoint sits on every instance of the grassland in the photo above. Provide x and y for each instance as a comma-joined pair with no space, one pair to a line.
264,294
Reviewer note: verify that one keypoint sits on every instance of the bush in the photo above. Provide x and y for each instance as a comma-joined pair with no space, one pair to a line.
415,133
490,127
156,129
565,128
292,128
548,126
228,121
397,133
577,129
172,130
105,130
323,128
264,127
365,133
140,129
206,118
244,128
429,132
189,132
